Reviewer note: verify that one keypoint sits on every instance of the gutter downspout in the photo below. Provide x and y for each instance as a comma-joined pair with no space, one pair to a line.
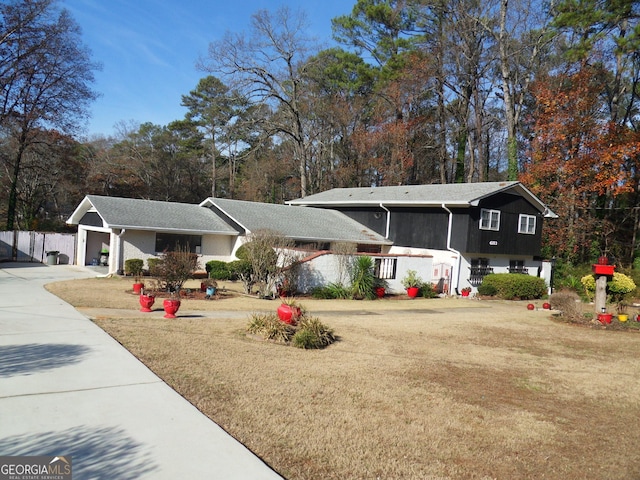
386,234
451,249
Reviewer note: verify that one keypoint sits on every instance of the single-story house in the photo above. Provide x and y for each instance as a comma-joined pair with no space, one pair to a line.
116,229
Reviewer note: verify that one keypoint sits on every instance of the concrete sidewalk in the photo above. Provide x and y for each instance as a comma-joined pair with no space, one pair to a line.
67,388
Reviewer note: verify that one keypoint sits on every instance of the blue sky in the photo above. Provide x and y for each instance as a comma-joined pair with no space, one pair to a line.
148,49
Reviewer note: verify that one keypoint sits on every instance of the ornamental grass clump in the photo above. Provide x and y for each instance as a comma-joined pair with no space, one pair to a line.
269,327
312,333
308,333
331,291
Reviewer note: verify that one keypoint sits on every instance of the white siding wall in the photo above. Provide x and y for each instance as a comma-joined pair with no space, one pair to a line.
501,265
325,269
217,247
142,244
443,259
138,244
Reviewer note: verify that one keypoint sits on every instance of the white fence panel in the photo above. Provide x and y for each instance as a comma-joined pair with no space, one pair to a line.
33,246
64,244
37,247
25,247
6,246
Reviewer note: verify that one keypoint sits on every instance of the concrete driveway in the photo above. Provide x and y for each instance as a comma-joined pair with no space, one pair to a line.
68,389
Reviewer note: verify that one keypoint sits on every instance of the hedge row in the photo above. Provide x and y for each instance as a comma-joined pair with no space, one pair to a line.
512,286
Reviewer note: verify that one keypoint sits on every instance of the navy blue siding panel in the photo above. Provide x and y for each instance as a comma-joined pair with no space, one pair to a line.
92,219
373,217
506,241
419,227
423,227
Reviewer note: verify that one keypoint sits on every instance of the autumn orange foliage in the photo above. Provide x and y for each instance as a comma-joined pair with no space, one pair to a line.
578,156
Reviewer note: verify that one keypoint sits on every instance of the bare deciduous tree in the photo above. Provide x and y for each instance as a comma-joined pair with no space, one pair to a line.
45,78
267,66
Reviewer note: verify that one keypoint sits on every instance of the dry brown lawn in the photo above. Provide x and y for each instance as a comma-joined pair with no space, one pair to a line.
422,389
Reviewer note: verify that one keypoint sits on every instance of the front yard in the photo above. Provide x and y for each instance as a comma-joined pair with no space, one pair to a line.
439,388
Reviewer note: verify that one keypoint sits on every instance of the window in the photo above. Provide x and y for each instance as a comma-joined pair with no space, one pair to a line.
170,242
517,266
489,219
479,269
311,246
527,224
365,248
385,268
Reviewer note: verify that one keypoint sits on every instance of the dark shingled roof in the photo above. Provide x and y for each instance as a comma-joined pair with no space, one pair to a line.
451,195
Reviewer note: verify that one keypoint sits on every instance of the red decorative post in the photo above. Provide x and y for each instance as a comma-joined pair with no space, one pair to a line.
602,272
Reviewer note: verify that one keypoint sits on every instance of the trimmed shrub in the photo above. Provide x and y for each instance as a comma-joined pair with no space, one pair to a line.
242,253
512,286
242,270
487,290
154,266
618,287
133,266
218,270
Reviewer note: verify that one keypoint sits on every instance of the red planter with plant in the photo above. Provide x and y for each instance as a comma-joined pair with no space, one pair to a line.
289,313
171,306
146,302
137,288
413,292
380,292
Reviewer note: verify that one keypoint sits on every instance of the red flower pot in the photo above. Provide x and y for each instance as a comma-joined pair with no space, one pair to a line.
413,292
531,306
605,318
380,291
464,293
137,288
546,306
146,301
171,306
289,314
